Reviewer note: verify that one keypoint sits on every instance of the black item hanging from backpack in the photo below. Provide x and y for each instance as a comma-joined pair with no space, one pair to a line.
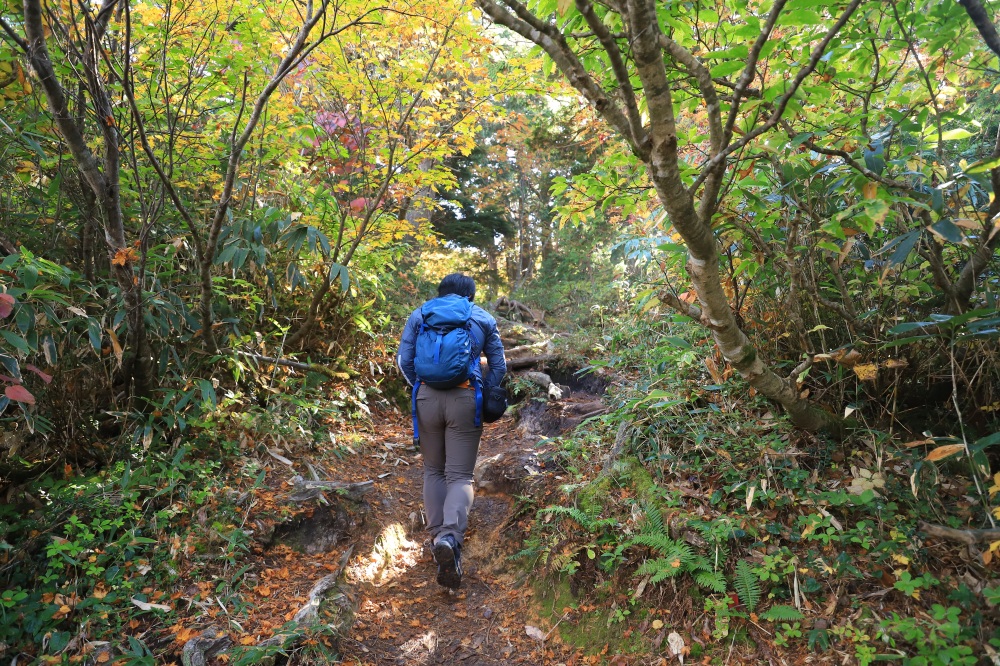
494,403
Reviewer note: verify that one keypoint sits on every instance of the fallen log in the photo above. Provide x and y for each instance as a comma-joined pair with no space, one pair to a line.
522,350
530,361
202,649
518,309
545,382
339,372
304,490
968,537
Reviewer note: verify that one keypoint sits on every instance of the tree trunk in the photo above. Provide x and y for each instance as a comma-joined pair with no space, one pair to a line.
105,184
656,146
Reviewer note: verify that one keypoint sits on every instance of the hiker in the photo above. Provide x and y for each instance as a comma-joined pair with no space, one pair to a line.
439,354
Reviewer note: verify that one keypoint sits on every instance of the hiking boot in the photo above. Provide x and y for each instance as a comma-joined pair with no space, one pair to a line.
448,555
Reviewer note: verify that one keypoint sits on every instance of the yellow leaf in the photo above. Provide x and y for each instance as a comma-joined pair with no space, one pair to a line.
942,452
866,372
657,624
870,189
116,345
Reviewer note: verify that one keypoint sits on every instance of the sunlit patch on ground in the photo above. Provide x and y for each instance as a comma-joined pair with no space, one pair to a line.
392,555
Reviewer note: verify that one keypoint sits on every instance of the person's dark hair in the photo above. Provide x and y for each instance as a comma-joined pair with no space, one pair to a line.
457,283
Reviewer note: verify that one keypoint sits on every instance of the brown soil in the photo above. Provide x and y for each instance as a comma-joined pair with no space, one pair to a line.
404,617
386,606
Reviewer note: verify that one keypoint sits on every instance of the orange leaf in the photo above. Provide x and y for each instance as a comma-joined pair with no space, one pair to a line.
942,452
124,256
264,591
103,657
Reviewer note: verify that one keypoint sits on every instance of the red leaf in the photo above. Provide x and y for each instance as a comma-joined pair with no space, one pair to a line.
6,305
19,394
9,380
358,205
46,377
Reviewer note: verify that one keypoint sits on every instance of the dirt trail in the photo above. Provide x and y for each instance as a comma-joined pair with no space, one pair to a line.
403,616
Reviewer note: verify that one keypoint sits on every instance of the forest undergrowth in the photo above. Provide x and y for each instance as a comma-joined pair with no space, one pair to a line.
694,521
688,520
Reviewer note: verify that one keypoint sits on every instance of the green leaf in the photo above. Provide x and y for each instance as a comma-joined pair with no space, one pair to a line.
985,442
947,230
727,68
904,244
800,139
16,341
713,580
674,341
800,17
94,332
877,210
983,166
956,134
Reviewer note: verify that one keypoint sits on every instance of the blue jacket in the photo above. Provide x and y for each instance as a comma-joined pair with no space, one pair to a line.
484,329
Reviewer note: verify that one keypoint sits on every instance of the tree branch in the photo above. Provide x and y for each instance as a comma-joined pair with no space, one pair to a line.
705,85
779,108
38,57
168,184
625,89
990,239
16,38
750,71
849,161
984,25
713,182
686,309
518,18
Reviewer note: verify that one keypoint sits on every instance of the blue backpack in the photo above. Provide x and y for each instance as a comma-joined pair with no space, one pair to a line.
443,355
444,351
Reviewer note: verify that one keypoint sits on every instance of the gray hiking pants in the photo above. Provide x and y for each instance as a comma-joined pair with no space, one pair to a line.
449,442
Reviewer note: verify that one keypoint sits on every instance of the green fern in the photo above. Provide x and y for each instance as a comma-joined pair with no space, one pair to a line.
698,563
747,585
660,569
782,613
587,520
654,519
658,542
713,580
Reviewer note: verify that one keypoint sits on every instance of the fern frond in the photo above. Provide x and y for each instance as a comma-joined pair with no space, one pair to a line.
713,580
570,512
698,563
684,552
660,543
660,569
782,613
747,585
654,519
